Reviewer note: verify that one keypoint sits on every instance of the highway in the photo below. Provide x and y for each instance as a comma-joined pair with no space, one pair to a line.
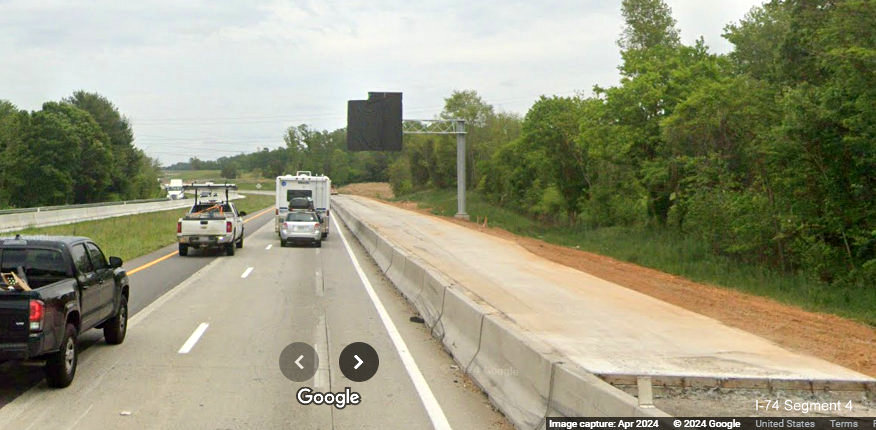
205,338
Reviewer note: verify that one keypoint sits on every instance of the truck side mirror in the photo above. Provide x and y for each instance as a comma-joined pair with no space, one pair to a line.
115,262
242,213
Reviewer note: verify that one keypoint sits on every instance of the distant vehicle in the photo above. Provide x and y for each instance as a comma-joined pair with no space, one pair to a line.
211,222
175,190
304,184
334,191
301,227
63,286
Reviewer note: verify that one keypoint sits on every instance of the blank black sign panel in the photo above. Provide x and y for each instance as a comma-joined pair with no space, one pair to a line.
375,124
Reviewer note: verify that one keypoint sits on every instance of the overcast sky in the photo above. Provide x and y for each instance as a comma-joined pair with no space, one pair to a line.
214,78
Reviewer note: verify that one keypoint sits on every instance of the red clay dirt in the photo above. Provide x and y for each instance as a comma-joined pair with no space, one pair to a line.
832,338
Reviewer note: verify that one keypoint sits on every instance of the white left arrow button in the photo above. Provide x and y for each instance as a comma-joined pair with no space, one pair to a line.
298,362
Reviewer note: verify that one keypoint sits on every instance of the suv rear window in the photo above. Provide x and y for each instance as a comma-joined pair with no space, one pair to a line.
301,217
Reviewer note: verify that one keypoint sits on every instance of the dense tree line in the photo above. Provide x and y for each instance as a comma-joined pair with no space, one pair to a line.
78,150
767,153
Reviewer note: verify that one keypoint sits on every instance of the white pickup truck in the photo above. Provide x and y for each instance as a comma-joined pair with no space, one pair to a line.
210,223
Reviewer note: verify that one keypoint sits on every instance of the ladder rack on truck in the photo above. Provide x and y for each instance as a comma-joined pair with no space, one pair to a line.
210,187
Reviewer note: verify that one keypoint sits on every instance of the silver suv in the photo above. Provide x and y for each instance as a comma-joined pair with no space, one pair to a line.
301,227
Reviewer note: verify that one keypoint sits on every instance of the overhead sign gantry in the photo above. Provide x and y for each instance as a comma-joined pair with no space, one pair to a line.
376,124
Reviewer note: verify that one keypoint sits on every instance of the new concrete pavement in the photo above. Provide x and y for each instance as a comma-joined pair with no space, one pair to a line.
603,327
205,339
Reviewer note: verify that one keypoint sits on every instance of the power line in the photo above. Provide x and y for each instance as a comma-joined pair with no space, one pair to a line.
291,117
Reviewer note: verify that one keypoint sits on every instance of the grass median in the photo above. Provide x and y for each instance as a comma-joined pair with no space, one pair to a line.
131,236
669,252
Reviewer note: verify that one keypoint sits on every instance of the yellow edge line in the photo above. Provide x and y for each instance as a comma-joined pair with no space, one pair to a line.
160,259
152,263
257,215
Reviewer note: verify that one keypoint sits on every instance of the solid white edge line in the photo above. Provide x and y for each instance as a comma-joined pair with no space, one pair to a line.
246,272
193,339
433,408
269,246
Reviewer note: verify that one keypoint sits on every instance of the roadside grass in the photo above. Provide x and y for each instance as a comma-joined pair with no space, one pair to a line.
191,175
254,203
667,251
135,235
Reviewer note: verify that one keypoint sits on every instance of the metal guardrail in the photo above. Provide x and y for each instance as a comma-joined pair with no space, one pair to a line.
79,206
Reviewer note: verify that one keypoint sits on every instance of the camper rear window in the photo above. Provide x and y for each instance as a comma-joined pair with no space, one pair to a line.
291,194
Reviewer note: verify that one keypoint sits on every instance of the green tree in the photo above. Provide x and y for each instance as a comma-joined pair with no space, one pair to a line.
63,158
478,115
757,40
229,170
13,124
128,181
551,129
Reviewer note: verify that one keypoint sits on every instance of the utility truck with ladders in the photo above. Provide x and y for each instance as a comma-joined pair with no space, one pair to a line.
212,222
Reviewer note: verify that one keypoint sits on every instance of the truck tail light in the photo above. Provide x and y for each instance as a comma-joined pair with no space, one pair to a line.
286,225
276,211
179,227
37,312
316,226
228,226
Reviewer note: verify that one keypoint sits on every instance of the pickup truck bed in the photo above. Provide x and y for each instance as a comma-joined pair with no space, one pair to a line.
18,343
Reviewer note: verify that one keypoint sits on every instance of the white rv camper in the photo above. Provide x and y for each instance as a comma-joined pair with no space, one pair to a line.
304,184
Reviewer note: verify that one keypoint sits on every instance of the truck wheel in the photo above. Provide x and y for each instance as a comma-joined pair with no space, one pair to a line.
240,242
324,235
183,250
319,244
61,366
115,329
229,249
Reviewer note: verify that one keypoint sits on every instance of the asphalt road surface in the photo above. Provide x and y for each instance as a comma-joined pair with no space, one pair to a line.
205,339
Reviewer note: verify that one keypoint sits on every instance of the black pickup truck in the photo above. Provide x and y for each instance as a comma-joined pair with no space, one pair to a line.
73,288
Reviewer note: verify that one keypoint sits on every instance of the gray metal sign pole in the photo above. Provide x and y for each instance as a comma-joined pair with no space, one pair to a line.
460,170
446,126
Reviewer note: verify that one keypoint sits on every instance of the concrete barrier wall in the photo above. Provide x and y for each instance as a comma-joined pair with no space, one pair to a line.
411,282
382,254
526,379
514,370
431,301
20,221
396,270
23,220
462,319
576,392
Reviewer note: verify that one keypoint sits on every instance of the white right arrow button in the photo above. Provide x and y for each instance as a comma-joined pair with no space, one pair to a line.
359,362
